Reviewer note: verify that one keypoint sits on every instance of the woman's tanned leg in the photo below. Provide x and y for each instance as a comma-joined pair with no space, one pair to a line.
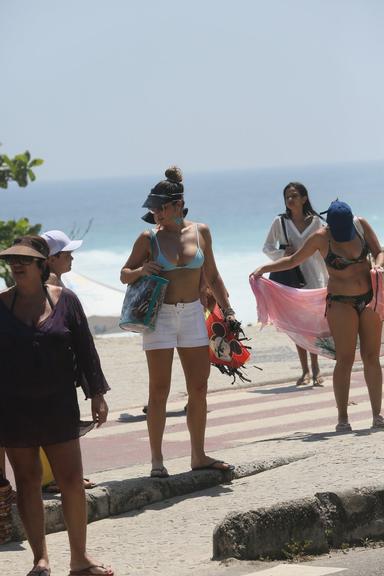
370,342
303,357
343,322
160,371
196,366
27,470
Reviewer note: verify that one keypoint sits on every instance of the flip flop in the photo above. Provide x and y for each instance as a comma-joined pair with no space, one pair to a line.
159,472
378,423
40,572
214,466
90,571
317,381
53,488
343,427
303,380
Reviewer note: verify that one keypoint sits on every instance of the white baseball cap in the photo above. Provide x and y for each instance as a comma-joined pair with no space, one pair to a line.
58,241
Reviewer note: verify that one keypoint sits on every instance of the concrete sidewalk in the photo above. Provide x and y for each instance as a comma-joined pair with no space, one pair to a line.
269,473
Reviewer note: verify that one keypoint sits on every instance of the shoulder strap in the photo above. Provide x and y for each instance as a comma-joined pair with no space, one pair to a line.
197,236
48,296
282,220
153,239
359,227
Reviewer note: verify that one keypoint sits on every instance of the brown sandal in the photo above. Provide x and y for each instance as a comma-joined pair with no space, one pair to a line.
53,488
89,571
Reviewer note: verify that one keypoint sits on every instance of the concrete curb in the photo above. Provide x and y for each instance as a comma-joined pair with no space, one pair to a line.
307,526
117,497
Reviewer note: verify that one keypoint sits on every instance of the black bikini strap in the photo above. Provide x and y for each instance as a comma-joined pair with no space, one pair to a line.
45,287
282,220
48,296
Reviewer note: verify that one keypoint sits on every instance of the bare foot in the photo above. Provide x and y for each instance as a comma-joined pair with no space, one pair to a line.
304,379
211,464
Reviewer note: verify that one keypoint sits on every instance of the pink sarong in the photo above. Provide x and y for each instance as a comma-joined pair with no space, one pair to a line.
301,313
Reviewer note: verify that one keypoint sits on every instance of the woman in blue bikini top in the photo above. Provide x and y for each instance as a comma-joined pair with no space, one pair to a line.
181,251
167,266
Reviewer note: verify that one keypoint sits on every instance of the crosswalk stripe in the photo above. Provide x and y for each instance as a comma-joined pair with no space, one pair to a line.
250,407
254,424
323,428
257,422
249,395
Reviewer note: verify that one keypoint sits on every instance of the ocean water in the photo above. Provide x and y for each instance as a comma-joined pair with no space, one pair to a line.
238,206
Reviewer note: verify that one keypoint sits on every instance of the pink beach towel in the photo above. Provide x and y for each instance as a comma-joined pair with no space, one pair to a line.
301,313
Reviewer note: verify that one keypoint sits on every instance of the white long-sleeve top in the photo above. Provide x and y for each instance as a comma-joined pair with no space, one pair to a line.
314,268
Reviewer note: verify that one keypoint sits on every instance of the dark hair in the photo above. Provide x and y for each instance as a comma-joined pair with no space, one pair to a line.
307,206
38,243
173,185
45,270
41,245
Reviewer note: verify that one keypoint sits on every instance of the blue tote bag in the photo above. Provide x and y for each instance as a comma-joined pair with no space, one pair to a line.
142,303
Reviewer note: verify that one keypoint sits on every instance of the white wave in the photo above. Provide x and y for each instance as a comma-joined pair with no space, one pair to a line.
96,280
104,266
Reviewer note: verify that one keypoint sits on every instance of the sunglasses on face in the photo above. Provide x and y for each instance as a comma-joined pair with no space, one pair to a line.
22,260
162,208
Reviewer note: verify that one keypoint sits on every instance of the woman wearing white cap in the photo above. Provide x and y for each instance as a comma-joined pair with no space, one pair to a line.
59,262
345,245
60,254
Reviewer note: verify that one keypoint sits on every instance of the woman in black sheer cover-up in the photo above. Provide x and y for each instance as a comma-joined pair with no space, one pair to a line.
42,330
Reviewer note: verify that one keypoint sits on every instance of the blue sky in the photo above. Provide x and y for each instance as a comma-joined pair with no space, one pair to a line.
112,88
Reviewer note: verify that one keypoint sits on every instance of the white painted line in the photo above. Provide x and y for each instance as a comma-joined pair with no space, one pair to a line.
296,400
302,420
356,425
251,395
252,408
297,570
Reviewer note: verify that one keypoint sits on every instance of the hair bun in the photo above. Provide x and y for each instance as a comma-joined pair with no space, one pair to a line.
174,174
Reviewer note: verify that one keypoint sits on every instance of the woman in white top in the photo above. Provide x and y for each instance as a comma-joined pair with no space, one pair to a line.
300,222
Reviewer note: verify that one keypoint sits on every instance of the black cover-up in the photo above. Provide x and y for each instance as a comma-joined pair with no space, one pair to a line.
40,367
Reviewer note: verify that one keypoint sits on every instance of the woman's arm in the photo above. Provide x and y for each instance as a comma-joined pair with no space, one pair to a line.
140,261
93,381
314,242
212,275
373,243
274,240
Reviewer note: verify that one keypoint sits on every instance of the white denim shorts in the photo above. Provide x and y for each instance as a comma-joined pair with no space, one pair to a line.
179,325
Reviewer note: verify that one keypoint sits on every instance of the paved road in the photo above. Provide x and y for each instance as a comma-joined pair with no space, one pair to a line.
235,418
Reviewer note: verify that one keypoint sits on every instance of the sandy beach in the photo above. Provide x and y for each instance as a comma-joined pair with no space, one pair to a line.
124,365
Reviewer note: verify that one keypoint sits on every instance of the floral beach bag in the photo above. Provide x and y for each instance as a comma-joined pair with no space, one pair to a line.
142,303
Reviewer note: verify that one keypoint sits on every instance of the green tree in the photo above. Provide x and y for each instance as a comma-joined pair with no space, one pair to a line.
18,170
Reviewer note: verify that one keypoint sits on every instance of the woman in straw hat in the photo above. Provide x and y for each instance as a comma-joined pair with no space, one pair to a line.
42,329
181,251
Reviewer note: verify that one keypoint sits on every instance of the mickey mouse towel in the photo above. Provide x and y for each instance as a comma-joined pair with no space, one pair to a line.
226,351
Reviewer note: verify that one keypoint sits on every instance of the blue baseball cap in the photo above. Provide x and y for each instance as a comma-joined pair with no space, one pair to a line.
340,221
